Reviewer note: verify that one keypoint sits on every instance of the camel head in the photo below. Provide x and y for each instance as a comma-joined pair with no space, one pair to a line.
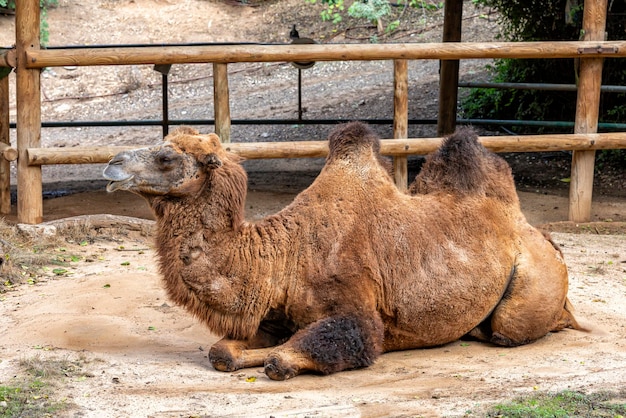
177,167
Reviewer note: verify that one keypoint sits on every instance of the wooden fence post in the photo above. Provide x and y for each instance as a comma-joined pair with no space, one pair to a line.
5,166
449,70
221,101
400,119
587,110
28,93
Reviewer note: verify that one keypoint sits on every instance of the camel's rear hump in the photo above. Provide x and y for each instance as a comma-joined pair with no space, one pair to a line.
463,166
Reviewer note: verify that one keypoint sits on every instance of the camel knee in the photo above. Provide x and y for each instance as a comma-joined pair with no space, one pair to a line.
344,342
525,331
515,325
327,346
520,324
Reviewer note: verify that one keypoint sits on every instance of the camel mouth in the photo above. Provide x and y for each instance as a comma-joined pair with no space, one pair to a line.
114,185
117,177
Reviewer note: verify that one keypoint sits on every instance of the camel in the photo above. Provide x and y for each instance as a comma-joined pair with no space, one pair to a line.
353,267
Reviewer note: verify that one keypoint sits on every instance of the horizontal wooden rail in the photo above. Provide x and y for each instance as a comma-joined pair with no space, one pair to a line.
316,149
7,152
7,58
319,52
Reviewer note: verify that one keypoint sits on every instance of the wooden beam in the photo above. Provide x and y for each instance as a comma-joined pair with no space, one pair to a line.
28,92
40,58
587,113
449,70
221,101
5,141
7,58
401,119
317,149
7,152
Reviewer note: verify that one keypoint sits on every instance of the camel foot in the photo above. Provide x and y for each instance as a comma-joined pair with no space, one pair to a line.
275,369
505,341
222,360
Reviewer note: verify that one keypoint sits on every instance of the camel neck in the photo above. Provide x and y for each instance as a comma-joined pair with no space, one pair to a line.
217,207
206,266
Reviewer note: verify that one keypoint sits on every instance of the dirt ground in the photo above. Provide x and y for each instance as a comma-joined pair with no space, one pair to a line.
143,357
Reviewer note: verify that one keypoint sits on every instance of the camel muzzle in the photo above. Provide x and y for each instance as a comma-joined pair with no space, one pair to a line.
116,175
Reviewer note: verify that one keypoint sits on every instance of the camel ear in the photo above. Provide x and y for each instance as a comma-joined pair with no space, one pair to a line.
211,161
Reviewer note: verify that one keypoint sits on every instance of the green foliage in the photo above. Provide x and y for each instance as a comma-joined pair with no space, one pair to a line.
393,26
10,4
332,11
44,5
426,5
562,404
372,10
34,391
545,20
613,157
525,104
44,32
533,20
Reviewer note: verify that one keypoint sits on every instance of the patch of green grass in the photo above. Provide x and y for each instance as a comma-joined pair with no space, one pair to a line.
29,399
563,404
28,260
33,393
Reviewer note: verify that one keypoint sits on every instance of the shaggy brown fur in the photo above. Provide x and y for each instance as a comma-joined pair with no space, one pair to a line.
352,268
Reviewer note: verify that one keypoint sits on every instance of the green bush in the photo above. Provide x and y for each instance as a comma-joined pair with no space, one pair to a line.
546,20
372,11
44,5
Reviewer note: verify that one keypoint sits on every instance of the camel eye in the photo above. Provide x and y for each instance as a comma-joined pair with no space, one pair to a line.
165,159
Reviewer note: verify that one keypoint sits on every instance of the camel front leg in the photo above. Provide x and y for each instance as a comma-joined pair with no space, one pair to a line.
327,346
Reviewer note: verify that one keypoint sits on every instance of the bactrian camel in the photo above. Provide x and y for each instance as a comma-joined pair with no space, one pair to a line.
353,267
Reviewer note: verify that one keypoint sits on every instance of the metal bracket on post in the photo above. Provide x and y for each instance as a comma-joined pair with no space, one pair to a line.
164,69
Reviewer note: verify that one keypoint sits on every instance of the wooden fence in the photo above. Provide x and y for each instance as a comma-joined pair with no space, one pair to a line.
29,58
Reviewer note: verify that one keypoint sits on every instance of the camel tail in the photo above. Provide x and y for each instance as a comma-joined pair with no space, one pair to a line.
568,320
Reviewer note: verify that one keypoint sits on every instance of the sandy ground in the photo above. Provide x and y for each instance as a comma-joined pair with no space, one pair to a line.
141,356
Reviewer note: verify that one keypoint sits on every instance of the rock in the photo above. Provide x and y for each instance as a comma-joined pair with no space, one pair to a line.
37,231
